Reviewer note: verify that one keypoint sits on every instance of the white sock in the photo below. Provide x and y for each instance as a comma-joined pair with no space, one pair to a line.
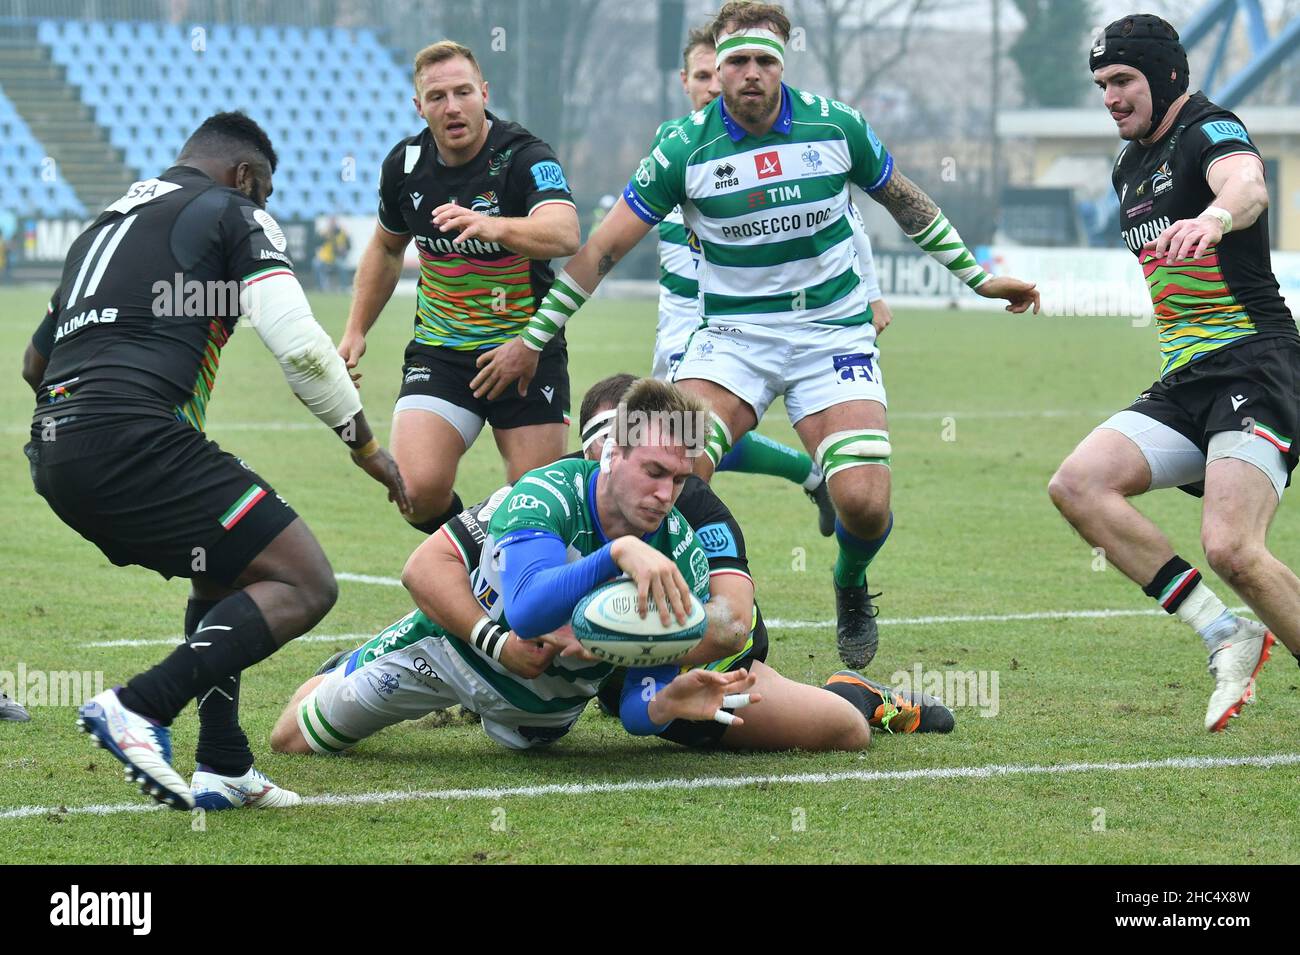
1207,615
813,479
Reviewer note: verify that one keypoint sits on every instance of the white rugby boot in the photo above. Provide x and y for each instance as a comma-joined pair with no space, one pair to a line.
142,746
252,790
1234,666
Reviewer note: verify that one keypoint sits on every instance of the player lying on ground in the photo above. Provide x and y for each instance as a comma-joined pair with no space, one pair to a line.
1221,420
123,366
526,690
762,176
679,300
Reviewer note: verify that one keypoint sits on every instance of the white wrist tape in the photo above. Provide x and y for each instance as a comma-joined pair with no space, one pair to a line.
278,311
1223,215
489,636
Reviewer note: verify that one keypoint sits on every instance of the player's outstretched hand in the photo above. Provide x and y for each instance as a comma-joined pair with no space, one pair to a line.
513,361
383,469
527,658
351,348
1020,294
699,694
1186,239
656,575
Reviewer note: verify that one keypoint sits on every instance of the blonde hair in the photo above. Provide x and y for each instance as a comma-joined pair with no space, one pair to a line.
699,36
440,52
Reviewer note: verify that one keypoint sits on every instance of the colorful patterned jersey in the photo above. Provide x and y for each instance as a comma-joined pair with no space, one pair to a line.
477,294
770,213
1227,295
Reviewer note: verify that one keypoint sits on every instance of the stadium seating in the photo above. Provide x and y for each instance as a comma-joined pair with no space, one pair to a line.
24,188
334,101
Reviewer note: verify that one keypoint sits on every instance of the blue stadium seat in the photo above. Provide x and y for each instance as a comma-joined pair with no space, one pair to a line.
148,89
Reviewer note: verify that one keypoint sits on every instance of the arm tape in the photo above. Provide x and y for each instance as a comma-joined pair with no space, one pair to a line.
278,311
561,302
941,242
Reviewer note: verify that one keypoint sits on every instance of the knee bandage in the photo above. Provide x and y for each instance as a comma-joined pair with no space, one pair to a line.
848,449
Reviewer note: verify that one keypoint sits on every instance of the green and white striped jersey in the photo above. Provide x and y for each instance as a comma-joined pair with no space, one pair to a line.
770,213
558,500
676,257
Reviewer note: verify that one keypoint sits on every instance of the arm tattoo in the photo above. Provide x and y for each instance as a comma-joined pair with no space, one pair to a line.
911,208
604,265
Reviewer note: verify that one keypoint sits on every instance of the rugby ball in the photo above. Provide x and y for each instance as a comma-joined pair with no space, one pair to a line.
607,623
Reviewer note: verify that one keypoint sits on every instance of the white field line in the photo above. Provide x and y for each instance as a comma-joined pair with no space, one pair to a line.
355,638
776,623
710,782
368,579
990,415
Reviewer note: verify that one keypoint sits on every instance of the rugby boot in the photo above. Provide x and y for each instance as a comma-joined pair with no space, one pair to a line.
252,790
1234,666
902,711
142,746
856,633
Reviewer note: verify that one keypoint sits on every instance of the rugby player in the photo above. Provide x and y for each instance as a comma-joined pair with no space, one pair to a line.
1220,421
679,306
124,365
762,175
488,206
407,671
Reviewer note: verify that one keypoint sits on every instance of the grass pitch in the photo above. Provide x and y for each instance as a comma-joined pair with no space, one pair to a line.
983,407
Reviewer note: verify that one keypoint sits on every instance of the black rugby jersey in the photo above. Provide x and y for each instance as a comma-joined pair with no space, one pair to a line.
479,294
149,296
1229,294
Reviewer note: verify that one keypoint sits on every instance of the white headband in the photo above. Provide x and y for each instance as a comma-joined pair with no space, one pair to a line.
597,427
752,39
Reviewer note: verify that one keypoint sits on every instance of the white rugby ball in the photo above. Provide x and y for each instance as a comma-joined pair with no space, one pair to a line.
607,623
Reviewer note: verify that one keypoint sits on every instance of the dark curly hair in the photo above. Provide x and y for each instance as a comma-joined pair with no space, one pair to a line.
229,135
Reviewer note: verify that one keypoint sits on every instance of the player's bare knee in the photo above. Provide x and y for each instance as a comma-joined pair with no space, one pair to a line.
1073,486
318,594
287,738
427,501
854,736
1233,556
862,503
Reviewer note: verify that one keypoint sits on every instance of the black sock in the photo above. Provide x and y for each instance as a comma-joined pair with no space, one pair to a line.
433,523
863,697
242,640
1173,583
223,747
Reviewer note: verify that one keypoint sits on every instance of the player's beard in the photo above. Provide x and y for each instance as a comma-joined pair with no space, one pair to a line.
753,111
